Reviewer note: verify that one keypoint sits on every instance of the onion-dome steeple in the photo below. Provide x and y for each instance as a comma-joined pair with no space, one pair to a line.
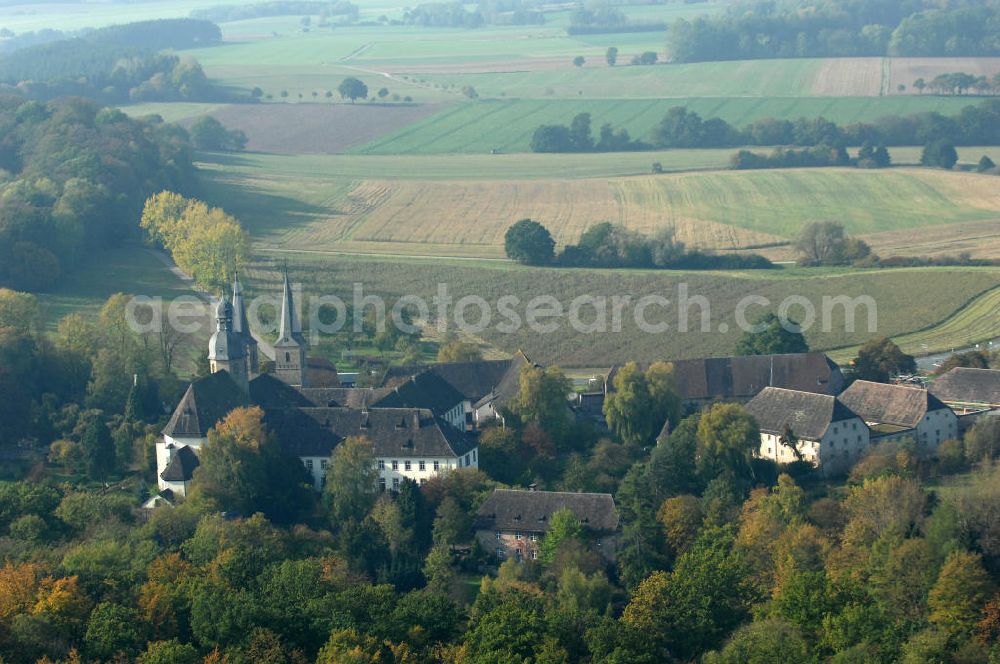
226,351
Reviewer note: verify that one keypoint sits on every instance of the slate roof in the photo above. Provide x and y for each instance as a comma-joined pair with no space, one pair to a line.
181,466
425,390
509,384
206,401
442,386
902,405
269,392
532,510
322,372
743,377
808,415
968,386
399,432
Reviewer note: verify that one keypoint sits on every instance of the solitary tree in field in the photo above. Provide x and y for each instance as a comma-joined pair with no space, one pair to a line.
578,61
611,55
919,84
284,94
383,93
529,242
351,88
328,94
315,94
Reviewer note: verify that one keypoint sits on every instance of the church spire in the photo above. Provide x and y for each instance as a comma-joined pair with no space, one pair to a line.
289,330
290,363
241,326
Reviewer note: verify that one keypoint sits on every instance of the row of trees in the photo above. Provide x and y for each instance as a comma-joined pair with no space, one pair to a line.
974,125
578,137
204,241
830,29
78,177
822,155
681,128
609,245
958,83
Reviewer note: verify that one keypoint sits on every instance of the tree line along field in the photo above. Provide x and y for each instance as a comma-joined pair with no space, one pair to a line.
508,125
943,291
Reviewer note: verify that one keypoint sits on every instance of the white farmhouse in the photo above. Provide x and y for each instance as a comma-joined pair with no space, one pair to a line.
902,411
825,432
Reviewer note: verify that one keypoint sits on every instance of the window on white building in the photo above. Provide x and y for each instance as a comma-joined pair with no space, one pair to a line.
324,464
517,535
395,484
381,464
395,465
381,484
466,460
534,554
406,465
499,553
533,537
422,465
473,455
498,534
437,465
309,464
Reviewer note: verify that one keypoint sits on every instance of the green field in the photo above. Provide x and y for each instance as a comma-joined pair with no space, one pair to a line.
461,205
499,166
131,268
942,292
752,78
508,125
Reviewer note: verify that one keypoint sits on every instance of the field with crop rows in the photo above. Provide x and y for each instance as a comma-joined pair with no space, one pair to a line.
341,204
750,78
942,292
508,125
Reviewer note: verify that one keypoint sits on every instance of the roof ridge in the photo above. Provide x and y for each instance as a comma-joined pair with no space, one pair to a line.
568,493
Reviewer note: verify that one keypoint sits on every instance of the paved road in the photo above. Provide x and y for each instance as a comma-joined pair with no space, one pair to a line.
927,362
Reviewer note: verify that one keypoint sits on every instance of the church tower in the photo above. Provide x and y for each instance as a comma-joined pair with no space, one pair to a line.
290,363
241,326
225,349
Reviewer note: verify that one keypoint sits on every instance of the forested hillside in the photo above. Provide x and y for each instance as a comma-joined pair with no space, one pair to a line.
74,180
831,28
115,64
